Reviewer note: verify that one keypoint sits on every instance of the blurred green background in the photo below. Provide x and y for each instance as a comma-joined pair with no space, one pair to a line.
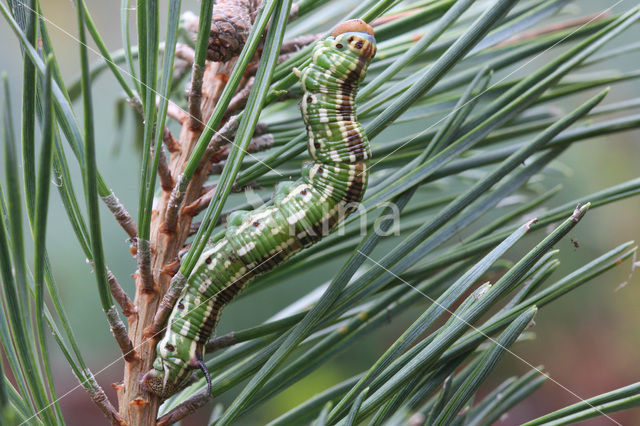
586,341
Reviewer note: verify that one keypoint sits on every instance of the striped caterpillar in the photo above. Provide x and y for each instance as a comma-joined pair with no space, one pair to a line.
302,212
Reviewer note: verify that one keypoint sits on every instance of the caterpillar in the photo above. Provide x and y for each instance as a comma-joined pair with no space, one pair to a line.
302,211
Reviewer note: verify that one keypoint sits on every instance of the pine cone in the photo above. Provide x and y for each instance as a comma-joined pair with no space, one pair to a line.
230,25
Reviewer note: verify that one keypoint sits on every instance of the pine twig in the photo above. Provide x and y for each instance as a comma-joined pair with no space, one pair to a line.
119,331
121,214
166,305
144,267
120,296
170,142
223,136
173,206
200,204
239,100
186,53
261,128
220,342
257,144
195,98
97,395
203,201
166,180
175,112
184,409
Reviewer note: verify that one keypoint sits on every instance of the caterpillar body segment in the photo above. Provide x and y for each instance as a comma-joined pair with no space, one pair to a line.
302,211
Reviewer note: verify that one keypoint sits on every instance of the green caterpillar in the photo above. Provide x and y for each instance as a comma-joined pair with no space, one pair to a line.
302,212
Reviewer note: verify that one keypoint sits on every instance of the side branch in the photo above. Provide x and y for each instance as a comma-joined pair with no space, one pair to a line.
184,409
257,144
195,98
223,136
220,342
97,395
120,296
173,206
121,214
167,137
119,331
166,305
239,100
186,53
164,173
118,293
200,204
175,112
144,266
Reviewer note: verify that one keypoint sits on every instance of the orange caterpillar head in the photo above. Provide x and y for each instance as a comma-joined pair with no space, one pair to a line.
358,35
352,26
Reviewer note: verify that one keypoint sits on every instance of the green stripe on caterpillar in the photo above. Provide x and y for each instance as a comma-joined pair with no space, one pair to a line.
302,212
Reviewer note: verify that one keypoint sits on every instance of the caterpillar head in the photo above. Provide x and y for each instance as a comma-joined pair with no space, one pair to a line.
357,36
176,357
343,56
